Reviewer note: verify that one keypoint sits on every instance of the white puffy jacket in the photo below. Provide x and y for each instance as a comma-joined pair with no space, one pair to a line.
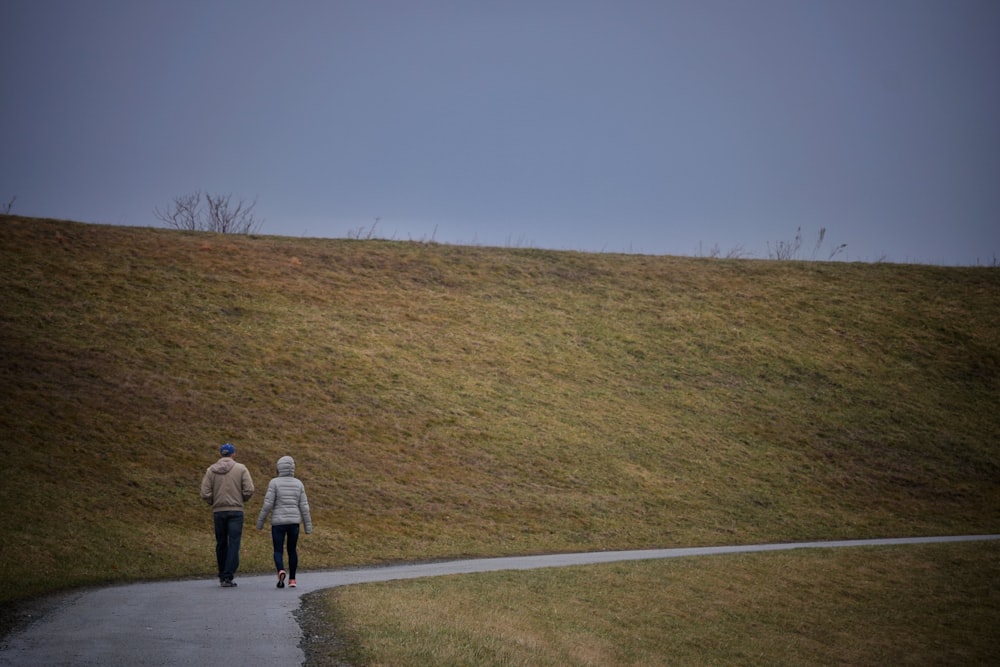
286,500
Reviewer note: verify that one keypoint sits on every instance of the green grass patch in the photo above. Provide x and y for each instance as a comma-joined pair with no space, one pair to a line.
905,605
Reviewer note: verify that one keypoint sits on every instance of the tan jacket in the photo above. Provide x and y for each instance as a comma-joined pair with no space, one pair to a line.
226,485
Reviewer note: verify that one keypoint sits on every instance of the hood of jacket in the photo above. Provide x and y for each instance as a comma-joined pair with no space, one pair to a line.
286,466
223,465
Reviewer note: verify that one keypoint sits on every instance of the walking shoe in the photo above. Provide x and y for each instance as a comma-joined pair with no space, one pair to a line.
281,579
291,583
228,583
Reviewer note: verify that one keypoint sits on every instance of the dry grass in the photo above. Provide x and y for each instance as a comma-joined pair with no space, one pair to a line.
449,401
914,605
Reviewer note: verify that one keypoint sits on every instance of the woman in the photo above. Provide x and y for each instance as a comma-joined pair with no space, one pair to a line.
287,504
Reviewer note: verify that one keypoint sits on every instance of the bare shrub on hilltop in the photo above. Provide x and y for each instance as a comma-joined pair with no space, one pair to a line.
210,213
786,250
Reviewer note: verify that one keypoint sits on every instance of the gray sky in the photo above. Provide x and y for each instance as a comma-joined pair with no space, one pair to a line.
660,127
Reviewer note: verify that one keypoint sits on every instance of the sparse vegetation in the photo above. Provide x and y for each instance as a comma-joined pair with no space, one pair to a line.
789,250
993,261
781,251
448,401
715,252
819,244
359,233
197,212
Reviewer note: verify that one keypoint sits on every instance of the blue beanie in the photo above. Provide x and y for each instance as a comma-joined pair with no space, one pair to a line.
227,450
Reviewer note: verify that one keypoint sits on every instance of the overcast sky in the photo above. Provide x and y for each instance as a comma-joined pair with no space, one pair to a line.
659,127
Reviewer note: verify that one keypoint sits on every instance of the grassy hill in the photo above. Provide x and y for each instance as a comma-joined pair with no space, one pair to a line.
452,401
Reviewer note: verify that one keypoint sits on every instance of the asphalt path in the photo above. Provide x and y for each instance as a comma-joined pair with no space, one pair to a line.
195,622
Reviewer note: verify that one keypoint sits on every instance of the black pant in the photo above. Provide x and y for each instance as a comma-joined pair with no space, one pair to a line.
278,534
228,535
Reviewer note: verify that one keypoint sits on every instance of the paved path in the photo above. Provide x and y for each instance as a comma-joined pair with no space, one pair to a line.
195,622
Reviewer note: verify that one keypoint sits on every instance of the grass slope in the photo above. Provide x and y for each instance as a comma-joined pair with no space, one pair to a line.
451,401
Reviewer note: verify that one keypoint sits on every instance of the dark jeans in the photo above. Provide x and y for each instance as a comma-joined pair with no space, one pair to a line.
278,534
228,534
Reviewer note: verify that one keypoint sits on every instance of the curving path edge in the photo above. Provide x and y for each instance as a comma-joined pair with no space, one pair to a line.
195,622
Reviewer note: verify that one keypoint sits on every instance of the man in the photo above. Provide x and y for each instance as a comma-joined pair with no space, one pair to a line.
226,486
